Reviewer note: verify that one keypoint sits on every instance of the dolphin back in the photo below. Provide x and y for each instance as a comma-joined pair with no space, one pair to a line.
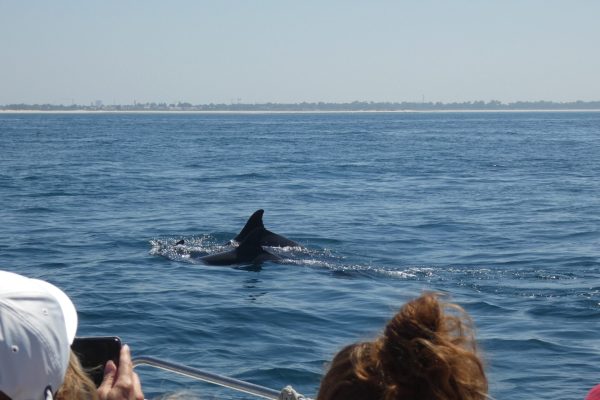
224,258
249,251
274,240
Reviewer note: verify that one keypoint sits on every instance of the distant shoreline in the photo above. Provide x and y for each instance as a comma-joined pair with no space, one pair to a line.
310,108
440,111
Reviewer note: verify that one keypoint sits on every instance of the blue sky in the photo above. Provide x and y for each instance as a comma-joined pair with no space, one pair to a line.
282,51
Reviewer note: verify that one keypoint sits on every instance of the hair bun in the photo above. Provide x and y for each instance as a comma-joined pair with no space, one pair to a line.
427,352
408,339
421,318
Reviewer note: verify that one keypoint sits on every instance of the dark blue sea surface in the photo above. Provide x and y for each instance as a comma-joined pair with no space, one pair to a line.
499,210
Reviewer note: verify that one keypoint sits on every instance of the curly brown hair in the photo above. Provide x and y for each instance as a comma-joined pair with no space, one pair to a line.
426,352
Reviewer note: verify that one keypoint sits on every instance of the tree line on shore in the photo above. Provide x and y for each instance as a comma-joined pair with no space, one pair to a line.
318,106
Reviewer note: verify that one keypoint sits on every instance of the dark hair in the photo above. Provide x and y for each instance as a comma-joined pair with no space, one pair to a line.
427,352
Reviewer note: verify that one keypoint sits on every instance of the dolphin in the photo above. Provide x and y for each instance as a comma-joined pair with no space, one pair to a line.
249,251
268,238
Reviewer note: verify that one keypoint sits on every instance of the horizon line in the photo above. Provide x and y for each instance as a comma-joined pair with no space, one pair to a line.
480,105
488,102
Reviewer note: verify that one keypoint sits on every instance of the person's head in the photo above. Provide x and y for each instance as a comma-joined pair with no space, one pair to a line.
37,326
426,352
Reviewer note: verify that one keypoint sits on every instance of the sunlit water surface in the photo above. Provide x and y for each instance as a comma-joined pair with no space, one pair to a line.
499,210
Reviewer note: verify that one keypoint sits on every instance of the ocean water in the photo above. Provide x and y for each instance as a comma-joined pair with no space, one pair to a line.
501,211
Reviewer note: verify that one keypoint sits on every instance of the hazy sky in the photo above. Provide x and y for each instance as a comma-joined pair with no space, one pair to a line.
291,51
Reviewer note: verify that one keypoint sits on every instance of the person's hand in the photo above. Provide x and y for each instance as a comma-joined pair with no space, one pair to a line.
120,383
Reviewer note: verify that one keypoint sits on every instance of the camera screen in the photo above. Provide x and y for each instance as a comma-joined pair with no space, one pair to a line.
94,353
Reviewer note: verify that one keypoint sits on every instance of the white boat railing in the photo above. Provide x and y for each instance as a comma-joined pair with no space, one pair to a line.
232,383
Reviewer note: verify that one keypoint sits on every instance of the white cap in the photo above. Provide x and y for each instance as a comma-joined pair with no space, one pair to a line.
37,326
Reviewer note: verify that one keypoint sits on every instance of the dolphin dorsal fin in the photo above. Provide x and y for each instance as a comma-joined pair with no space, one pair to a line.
255,221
